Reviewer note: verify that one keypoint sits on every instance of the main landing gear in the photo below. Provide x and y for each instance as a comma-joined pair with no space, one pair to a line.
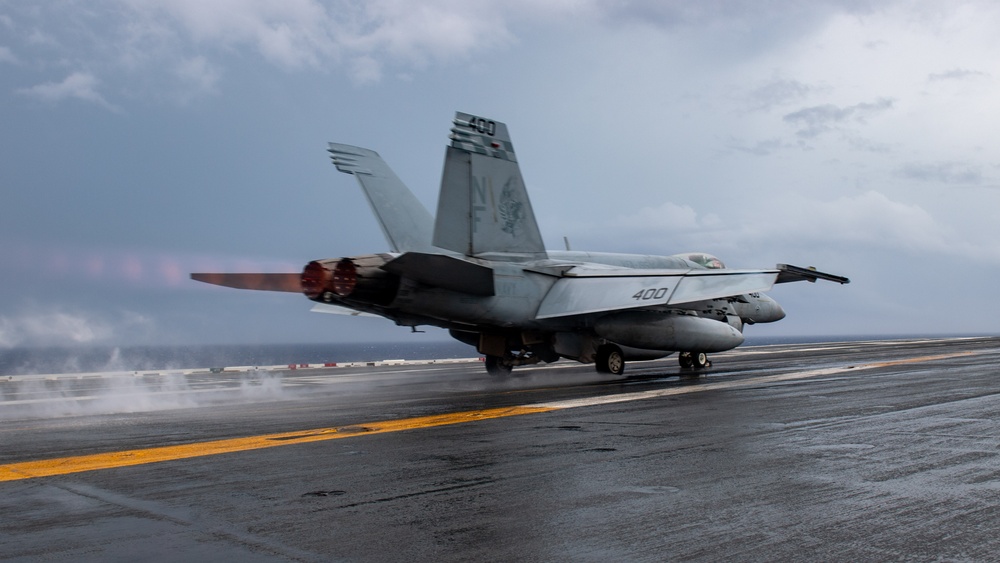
498,367
501,366
609,359
694,360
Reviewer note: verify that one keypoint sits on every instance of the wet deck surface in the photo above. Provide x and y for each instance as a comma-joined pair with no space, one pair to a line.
873,451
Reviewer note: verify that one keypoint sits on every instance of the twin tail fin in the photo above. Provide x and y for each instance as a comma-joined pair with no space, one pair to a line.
483,207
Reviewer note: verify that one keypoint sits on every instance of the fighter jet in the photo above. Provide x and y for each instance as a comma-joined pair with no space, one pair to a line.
480,270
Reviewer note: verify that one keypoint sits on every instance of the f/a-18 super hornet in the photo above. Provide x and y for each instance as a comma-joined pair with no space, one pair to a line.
480,270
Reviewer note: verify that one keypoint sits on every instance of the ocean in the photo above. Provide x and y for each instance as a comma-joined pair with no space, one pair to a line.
27,361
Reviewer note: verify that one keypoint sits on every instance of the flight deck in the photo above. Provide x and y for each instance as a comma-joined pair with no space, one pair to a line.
835,451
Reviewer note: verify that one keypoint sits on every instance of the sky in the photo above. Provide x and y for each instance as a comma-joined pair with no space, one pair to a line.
142,140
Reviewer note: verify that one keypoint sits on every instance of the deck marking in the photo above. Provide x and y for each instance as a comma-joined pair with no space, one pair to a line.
741,383
78,464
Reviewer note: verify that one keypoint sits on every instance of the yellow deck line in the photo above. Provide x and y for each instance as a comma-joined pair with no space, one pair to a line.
77,464
919,360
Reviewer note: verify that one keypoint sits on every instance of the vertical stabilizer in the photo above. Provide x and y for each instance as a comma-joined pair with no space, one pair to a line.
405,221
483,206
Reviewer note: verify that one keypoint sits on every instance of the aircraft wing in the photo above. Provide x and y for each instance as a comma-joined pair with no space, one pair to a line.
584,290
788,273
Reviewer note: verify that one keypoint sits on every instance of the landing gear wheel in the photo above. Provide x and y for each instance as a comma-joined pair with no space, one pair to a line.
700,360
685,360
693,360
497,367
610,360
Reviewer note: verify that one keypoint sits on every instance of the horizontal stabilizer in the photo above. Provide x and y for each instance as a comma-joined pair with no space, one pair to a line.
291,283
584,291
338,310
446,272
788,273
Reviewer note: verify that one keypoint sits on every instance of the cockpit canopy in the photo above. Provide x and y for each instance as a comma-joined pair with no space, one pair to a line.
705,260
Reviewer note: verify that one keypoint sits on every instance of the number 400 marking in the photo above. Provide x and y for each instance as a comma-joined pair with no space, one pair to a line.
652,293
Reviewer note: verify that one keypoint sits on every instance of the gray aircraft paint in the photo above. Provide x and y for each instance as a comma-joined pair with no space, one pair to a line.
483,206
405,221
480,270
